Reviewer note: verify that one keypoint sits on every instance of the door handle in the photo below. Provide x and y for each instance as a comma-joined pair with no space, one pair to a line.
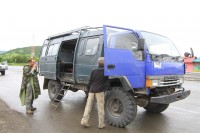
111,66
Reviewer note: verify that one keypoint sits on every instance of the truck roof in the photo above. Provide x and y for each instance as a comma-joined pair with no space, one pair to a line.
86,29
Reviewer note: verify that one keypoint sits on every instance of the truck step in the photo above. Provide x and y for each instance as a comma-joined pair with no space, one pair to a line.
53,105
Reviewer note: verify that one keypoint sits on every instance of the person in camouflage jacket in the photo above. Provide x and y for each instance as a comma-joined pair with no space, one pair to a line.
30,89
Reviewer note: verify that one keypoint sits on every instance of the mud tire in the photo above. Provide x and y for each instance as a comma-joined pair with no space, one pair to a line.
120,107
3,72
53,90
156,108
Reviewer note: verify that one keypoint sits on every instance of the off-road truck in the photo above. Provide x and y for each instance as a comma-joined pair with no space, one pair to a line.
144,68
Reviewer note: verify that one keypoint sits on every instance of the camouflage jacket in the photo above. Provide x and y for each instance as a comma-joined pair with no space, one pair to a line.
29,75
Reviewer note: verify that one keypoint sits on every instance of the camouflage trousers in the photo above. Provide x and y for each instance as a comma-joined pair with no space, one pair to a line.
29,97
100,106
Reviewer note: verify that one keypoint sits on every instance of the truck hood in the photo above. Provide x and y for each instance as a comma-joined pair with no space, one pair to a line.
165,68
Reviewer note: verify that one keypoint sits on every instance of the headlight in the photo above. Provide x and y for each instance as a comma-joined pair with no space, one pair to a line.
181,80
155,83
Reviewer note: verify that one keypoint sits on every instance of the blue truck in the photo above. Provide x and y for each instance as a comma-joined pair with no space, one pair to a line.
145,69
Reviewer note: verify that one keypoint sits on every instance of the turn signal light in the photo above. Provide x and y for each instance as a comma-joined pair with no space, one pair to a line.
148,83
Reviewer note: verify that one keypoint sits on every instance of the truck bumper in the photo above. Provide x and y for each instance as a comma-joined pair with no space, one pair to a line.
166,99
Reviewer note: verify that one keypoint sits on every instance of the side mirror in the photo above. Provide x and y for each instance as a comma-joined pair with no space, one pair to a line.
138,46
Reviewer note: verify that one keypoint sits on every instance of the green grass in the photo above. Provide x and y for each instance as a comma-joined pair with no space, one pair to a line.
17,64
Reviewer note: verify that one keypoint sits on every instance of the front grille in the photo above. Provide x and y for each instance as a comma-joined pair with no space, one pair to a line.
169,82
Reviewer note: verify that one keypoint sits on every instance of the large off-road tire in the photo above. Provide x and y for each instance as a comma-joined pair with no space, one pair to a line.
53,90
156,108
120,107
2,72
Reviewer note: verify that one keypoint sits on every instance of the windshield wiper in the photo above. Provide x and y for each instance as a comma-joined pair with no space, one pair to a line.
165,55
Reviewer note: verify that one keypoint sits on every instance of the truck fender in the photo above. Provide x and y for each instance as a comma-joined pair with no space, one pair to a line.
123,81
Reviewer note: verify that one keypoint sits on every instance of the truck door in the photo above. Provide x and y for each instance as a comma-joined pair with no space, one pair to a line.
89,49
120,59
51,59
42,58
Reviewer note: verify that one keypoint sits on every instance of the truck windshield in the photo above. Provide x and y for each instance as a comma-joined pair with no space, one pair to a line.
159,45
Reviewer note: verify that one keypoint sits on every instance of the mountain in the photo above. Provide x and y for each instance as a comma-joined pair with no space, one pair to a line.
1,52
24,51
20,55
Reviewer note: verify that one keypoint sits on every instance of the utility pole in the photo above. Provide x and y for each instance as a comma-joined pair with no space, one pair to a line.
33,48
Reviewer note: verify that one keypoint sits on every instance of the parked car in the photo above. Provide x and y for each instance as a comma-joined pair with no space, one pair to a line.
3,67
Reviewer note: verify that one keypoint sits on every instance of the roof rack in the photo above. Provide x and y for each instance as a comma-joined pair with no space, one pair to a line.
78,30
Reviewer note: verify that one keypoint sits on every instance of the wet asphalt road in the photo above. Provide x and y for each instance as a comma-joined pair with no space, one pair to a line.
180,117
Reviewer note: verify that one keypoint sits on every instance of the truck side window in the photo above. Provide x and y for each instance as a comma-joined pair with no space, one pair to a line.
123,41
44,51
53,49
81,47
92,46
50,50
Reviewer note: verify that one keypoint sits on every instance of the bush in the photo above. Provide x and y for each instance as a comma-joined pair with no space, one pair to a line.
15,58
20,55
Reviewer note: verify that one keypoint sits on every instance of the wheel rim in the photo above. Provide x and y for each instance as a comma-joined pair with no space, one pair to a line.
115,107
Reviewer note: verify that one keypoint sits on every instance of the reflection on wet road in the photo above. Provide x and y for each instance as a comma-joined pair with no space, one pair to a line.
180,117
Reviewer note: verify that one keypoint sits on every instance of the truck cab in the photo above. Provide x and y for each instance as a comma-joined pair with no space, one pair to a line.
144,68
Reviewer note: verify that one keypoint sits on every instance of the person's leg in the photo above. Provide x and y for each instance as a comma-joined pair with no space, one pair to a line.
32,108
31,103
88,109
29,98
100,107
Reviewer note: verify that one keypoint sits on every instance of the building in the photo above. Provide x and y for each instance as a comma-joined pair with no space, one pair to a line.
189,63
196,65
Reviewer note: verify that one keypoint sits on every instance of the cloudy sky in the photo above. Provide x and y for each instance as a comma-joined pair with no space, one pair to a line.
29,22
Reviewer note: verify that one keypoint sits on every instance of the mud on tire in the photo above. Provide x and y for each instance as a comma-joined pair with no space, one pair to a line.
120,107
